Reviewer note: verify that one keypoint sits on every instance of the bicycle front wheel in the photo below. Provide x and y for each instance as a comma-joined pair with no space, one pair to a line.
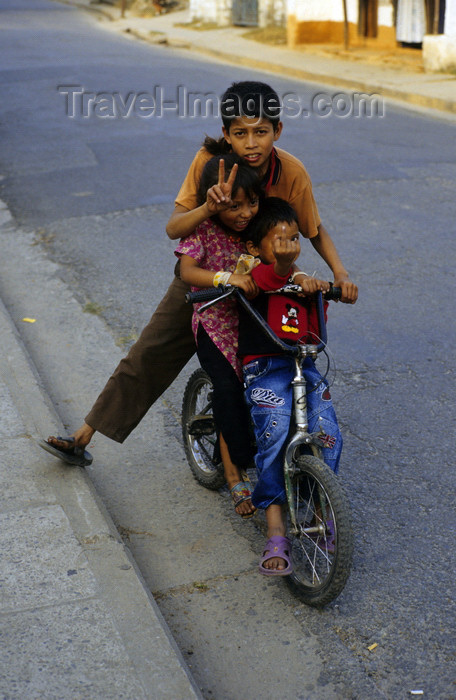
199,432
322,542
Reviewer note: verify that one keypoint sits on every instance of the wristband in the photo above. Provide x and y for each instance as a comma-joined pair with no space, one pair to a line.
221,278
299,272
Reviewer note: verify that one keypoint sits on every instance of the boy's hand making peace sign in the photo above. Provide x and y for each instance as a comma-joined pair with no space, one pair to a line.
218,197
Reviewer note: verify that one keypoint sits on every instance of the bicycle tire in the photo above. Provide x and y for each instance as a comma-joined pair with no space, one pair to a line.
319,575
199,432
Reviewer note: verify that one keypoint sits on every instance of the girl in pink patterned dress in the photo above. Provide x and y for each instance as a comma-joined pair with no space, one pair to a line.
208,257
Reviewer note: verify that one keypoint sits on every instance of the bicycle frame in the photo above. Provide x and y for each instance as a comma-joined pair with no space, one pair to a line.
301,435
319,525
299,353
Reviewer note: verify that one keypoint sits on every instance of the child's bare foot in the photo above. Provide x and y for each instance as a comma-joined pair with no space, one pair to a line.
81,438
275,564
83,435
276,559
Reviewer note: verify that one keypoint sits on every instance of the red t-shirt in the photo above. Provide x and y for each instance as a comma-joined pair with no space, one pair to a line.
292,318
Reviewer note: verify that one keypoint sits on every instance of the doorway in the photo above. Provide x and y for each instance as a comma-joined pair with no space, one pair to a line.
245,13
368,18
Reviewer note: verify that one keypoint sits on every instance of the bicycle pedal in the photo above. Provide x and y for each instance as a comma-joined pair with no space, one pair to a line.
201,425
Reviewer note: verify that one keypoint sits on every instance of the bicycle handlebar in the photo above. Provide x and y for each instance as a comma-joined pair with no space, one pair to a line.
210,294
214,294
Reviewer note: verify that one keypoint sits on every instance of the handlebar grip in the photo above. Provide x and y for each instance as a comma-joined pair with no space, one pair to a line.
334,294
205,294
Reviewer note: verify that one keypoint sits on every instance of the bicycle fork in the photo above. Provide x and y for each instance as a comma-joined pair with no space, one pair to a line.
300,437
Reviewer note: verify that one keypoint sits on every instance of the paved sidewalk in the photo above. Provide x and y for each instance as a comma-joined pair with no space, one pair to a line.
76,619
430,90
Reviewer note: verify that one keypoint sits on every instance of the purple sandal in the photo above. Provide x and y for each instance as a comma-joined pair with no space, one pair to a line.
276,547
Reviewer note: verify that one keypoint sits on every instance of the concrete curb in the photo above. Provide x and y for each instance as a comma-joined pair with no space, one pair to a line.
157,663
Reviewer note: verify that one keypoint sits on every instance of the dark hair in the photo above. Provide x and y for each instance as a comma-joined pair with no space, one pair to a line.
246,177
216,147
273,211
250,98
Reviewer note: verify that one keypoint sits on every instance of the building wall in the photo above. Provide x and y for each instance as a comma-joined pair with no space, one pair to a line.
218,11
270,12
322,10
439,51
450,18
385,13
322,21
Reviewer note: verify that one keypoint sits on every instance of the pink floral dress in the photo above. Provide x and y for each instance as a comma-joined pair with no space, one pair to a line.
215,250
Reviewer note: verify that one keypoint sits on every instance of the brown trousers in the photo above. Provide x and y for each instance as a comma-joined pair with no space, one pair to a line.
154,361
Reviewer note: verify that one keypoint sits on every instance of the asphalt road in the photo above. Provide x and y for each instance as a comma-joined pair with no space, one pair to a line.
90,196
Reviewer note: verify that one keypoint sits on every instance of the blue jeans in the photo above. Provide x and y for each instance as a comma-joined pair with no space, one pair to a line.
269,395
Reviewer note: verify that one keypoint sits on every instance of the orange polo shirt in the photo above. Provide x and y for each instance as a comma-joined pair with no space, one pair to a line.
292,184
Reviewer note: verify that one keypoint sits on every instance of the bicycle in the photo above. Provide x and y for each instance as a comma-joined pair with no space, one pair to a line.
319,524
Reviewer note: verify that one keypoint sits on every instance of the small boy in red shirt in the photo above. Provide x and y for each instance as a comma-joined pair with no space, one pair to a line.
274,237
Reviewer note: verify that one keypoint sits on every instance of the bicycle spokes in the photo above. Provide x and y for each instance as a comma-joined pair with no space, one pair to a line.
313,541
200,433
321,541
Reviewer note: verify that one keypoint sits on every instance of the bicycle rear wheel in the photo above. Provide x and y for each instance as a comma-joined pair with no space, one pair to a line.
322,547
199,432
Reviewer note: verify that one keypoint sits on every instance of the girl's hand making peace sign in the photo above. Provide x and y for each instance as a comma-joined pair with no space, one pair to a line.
218,197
